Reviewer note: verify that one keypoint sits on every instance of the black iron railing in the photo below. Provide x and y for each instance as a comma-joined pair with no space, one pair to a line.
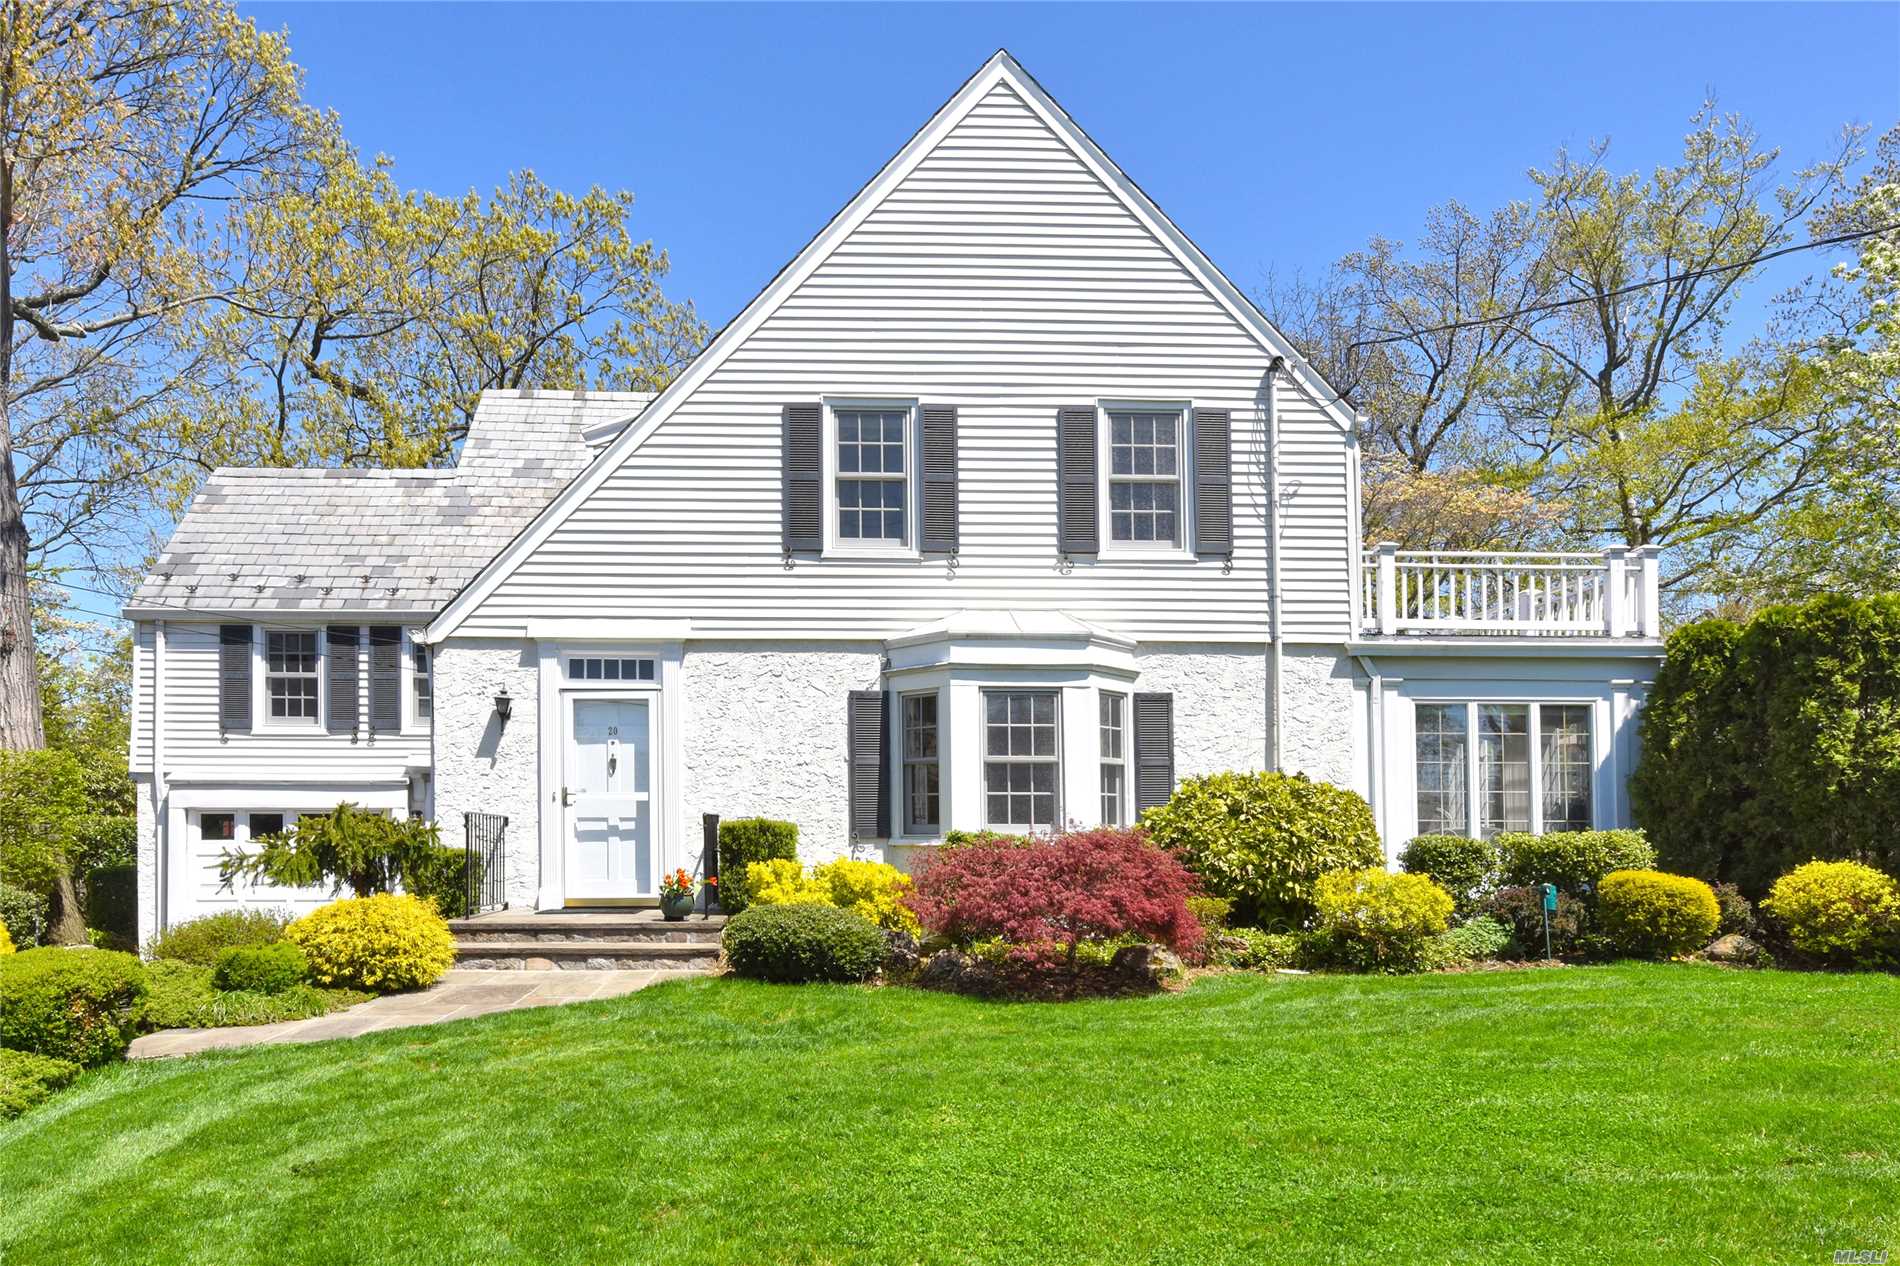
484,868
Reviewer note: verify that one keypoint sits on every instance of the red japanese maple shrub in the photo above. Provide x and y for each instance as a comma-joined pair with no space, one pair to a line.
1047,895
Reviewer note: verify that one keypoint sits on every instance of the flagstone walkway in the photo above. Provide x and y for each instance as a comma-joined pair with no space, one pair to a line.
459,995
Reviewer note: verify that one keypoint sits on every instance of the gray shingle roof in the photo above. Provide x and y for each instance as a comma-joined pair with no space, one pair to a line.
257,540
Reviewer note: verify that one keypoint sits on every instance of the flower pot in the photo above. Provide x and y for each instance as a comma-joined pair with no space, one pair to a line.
676,906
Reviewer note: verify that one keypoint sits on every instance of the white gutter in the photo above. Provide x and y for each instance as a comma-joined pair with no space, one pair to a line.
1276,750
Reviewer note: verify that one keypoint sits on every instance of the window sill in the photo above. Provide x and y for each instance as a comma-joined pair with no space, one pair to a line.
1127,554
836,553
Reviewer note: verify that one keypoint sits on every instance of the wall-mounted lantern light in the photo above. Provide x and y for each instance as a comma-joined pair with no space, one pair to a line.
504,705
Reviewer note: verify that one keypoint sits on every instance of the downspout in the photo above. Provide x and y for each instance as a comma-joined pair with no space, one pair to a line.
160,841
1276,749
1375,742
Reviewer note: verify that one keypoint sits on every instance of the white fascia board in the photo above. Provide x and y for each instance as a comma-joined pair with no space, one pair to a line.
1548,648
1000,69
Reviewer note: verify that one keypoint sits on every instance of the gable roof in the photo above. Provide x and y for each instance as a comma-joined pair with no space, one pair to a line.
384,541
1001,69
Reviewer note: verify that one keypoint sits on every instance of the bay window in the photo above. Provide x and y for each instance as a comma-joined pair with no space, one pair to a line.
1021,768
922,772
1114,739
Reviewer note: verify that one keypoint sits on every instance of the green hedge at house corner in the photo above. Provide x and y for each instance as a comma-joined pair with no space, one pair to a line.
743,841
1775,742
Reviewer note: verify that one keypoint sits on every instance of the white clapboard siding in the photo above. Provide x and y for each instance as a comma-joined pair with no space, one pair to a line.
1003,277
194,745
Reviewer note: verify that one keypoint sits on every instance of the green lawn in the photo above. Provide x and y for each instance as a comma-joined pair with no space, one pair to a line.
1654,1114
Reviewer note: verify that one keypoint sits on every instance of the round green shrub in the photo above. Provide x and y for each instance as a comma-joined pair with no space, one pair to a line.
1478,939
382,942
1262,840
199,940
1376,920
27,1079
1462,866
1841,913
1576,861
743,841
794,944
260,968
1652,914
82,1005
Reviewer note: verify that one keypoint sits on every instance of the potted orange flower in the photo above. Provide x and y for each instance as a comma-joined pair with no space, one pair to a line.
676,895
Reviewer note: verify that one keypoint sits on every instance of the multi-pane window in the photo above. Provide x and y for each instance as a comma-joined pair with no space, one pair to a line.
1144,477
422,688
1504,768
1566,765
1440,757
290,675
609,668
921,771
217,826
1114,730
871,475
1020,766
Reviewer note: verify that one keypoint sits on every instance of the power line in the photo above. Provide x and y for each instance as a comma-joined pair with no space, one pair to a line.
1634,286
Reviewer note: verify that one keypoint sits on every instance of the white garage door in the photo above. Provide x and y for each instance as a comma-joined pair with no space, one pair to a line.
210,833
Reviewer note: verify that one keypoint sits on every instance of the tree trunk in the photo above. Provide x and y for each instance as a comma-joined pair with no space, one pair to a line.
66,921
20,722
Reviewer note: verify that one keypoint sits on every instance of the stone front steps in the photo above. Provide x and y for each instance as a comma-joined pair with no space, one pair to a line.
607,940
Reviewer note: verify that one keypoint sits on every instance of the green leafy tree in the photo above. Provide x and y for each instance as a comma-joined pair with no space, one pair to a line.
42,805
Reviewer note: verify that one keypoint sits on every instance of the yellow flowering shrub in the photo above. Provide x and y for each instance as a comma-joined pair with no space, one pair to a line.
378,943
1839,912
873,889
781,881
1653,914
6,940
1372,919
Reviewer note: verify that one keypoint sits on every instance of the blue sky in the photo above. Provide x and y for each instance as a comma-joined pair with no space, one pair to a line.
1275,135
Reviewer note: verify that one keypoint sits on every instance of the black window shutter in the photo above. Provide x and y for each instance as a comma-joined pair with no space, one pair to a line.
802,504
1076,531
870,744
385,678
340,662
1154,750
1213,483
940,479
234,677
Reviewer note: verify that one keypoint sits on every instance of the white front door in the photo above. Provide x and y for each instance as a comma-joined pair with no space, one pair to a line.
607,792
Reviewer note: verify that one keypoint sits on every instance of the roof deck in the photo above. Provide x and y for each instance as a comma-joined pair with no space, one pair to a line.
1433,593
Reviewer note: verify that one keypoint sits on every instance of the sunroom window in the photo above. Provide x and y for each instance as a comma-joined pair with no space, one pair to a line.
1021,768
1500,767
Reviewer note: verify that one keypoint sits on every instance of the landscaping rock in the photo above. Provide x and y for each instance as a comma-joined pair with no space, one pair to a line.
902,956
1144,963
1736,948
943,970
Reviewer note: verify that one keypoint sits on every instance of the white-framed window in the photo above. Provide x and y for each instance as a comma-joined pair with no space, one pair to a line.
1144,468
1114,738
421,683
292,677
1022,768
610,668
1440,762
1484,768
923,774
870,475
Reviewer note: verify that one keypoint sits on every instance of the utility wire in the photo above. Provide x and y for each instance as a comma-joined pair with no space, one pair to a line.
1634,286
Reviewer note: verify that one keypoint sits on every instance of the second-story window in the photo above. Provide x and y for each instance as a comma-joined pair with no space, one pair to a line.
423,688
872,477
1144,477
290,675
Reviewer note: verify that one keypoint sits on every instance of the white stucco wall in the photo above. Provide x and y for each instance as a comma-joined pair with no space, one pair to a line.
1220,704
764,732
1321,721
482,766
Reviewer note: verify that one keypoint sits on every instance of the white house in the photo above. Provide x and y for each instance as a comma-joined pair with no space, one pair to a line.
999,506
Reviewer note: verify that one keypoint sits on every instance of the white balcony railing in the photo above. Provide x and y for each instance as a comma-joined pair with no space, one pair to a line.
1421,592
